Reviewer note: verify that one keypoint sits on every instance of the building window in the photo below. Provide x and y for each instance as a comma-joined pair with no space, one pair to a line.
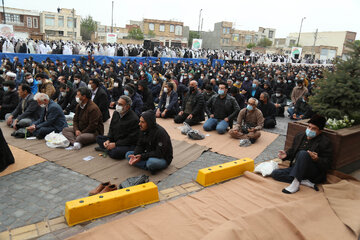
248,38
49,20
29,22
172,28
50,32
61,33
228,31
235,37
35,22
162,28
292,42
178,30
13,18
71,22
70,34
271,33
151,27
60,21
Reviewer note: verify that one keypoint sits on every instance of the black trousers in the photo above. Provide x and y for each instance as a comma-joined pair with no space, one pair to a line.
183,118
304,168
269,123
118,152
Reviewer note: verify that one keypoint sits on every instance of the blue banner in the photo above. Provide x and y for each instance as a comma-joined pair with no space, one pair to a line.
99,59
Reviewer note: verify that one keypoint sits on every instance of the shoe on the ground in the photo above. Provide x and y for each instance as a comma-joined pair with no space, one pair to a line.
99,188
13,133
109,188
77,145
100,149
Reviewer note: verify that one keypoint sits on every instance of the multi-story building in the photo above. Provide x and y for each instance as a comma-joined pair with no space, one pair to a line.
102,30
335,42
168,33
26,23
61,25
266,33
226,37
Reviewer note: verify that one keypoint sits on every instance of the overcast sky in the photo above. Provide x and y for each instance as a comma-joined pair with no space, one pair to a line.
283,15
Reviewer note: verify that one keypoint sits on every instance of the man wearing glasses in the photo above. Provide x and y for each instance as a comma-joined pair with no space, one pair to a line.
249,122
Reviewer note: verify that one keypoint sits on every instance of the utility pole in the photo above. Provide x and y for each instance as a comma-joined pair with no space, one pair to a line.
300,31
202,21
112,15
199,22
315,38
73,15
4,12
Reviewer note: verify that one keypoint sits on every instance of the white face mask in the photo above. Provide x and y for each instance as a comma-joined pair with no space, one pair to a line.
278,94
116,84
165,90
77,99
89,86
63,94
119,108
30,80
76,81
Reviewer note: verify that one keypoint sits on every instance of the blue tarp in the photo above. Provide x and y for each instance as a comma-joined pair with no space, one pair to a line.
99,59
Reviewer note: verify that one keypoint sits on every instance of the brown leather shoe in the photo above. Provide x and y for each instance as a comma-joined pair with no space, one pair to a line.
109,188
99,188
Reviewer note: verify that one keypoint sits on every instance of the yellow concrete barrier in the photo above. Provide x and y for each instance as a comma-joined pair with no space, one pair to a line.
219,173
88,208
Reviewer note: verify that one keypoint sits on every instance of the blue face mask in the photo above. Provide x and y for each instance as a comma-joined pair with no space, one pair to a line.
254,85
221,92
5,88
126,92
310,133
249,107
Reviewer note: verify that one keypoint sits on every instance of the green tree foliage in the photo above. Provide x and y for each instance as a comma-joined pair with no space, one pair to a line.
193,35
264,42
136,33
338,93
87,27
251,45
151,34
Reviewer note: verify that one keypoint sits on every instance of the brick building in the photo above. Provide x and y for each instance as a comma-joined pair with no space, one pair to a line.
62,25
26,23
168,33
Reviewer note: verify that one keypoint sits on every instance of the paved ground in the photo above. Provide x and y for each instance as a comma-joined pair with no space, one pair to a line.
38,194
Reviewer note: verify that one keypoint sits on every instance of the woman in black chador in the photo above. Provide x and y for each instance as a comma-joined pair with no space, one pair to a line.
6,157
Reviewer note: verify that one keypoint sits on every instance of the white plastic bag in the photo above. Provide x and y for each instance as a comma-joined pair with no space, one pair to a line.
56,140
185,128
266,168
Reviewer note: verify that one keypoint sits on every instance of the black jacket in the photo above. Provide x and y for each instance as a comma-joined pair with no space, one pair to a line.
68,103
197,105
268,110
10,100
155,141
303,108
231,107
279,100
321,145
101,100
148,100
124,131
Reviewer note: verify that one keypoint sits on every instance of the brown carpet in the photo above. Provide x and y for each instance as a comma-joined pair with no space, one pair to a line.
249,207
100,168
222,144
23,160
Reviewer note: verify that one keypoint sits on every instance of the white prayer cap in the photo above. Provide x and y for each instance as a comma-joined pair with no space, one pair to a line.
11,74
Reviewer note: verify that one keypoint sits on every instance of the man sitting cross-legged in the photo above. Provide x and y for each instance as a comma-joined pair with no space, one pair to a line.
123,131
